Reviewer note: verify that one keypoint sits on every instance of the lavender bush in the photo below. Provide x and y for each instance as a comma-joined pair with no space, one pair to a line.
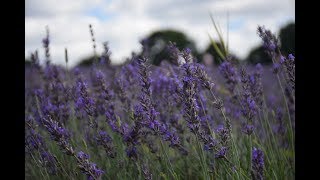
179,120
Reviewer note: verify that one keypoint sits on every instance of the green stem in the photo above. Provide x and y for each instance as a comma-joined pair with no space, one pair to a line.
39,167
234,148
267,157
289,118
202,159
168,161
250,154
61,166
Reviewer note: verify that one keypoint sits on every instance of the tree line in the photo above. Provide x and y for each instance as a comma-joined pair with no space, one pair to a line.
157,51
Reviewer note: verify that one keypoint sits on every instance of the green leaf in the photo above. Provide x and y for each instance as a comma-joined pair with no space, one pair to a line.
219,32
216,47
163,175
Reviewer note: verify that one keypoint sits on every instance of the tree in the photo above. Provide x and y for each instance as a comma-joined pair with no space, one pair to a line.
104,58
216,58
287,39
27,63
156,44
88,61
258,55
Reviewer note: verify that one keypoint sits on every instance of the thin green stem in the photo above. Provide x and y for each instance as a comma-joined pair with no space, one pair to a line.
250,154
264,150
202,159
289,118
64,170
39,167
168,161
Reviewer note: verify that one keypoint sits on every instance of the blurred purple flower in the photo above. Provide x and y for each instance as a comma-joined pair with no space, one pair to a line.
257,164
221,153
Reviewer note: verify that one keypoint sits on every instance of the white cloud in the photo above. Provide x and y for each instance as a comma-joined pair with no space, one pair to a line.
128,21
49,8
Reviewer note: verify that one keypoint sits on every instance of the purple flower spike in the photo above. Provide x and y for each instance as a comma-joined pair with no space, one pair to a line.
257,164
291,57
221,153
82,155
248,129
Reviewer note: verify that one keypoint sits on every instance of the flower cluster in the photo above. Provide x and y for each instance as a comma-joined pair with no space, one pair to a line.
88,168
257,164
177,119
105,140
230,74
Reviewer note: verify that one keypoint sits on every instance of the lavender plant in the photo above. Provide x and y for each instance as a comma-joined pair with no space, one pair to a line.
178,120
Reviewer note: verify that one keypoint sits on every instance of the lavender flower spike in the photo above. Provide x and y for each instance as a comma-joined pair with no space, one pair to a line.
88,168
257,164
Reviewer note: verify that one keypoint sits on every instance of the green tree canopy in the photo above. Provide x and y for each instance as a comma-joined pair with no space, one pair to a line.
27,63
216,58
88,61
157,43
258,55
287,39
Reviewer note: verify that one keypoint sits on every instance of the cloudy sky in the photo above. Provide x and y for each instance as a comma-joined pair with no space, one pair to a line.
124,22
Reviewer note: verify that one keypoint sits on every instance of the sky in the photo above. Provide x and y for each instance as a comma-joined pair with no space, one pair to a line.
123,23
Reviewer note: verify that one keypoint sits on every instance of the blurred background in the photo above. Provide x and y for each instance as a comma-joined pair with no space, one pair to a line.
125,23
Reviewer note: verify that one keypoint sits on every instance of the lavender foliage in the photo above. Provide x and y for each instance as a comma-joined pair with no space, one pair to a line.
179,120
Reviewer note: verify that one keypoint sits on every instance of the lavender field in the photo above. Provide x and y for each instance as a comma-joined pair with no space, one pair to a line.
179,120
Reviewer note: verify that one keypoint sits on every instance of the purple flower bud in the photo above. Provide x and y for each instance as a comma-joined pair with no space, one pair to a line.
257,163
248,129
88,168
131,152
45,41
282,59
291,57
187,50
259,67
220,128
229,73
270,42
252,79
271,46
49,161
76,71
221,153
252,104
82,155
80,102
97,172
275,68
